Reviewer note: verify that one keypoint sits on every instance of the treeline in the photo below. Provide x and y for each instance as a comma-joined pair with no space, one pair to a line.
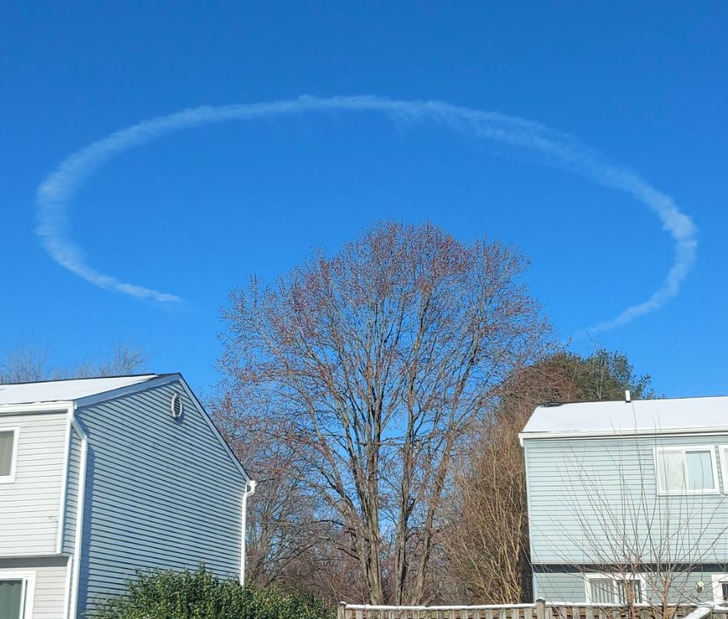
32,362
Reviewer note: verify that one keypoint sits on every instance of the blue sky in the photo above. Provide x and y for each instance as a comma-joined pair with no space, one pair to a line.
197,211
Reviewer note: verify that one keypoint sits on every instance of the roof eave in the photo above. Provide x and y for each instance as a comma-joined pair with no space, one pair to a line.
57,406
636,432
155,380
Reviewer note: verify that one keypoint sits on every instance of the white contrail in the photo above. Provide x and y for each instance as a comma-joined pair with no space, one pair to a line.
58,189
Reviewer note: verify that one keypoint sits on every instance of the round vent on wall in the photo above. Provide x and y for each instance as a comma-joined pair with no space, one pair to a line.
175,406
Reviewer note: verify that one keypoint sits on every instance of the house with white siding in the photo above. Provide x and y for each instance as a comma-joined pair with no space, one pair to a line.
628,501
100,477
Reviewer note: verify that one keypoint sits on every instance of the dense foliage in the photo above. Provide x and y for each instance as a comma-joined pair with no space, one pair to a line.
200,595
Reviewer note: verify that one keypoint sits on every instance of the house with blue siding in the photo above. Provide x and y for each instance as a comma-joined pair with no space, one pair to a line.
101,477
628,501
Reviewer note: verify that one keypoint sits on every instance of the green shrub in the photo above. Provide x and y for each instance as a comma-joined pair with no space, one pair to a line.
200,595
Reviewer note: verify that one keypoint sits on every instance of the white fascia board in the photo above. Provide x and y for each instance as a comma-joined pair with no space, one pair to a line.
37,555
213,428
127,390
158,382
36,407
524,436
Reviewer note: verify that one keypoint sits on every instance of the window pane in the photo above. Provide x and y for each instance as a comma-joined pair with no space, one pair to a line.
11,597
630,591
602,590
6,452
700,470
672,471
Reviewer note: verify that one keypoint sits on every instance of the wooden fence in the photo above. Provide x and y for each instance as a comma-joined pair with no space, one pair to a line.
539,610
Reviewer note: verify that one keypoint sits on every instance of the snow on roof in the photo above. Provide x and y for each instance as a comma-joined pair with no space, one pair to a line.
66,390
638,416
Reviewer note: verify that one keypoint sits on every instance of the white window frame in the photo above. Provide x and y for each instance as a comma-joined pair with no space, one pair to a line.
685,449
10,478
615,578
723,454
717,581
28,595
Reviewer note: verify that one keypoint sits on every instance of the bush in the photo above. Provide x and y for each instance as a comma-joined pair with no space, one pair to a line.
200,595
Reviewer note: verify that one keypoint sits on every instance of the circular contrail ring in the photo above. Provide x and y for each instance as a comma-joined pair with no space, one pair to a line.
60,186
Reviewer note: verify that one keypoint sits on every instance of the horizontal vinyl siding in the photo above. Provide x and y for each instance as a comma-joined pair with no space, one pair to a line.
161,493
29,507
50,592
560,588
589,498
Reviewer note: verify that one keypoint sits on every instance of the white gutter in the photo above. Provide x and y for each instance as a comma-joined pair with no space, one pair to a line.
72,607
35,407
634,432
250,489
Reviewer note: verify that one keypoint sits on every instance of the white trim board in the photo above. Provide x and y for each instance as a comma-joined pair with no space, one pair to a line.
10,477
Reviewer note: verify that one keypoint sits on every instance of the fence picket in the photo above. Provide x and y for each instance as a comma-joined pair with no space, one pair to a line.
539,610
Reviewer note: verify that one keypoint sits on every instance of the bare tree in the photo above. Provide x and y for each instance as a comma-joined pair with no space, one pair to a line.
281,513
486,536
26,363
31,362
376,361
123,359
486,540
657,545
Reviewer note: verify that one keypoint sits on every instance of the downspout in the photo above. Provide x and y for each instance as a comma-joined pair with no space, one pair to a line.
249,490
64,483
72,609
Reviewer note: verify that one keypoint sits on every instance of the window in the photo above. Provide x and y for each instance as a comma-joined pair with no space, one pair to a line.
629,591
720,589
601,590
610,589
8,452
16,594
724,464
11,598
686,470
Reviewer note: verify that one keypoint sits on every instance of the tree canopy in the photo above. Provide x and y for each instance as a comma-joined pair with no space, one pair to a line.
371,365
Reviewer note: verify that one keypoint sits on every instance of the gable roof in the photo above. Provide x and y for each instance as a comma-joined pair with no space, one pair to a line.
87,391
673,416
66,390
